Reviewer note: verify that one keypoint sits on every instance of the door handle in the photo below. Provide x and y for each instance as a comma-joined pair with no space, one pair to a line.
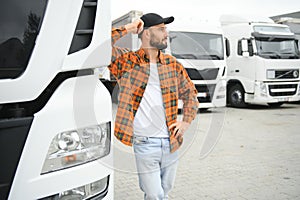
237,70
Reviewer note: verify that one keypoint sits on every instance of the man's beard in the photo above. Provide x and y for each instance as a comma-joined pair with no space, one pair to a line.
157,44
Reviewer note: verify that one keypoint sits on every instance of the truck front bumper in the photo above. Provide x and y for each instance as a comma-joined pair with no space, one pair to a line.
274,92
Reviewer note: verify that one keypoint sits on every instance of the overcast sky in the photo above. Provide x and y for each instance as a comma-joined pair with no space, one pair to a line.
206,8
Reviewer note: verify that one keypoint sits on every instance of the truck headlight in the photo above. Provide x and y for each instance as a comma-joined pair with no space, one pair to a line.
261,89
95,190
76,147
270,74
222,90
222,87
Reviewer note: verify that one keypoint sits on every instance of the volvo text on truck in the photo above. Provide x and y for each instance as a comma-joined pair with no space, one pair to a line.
55,114
264,62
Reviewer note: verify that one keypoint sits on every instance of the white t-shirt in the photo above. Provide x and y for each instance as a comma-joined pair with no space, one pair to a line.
150,118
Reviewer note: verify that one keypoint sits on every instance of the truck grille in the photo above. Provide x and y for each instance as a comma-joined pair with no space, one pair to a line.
287,74
206,92
205,74
283,90
85,26
13,135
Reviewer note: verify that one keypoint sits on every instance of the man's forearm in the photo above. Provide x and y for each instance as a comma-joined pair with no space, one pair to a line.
188,94
134,27
117,33
190,111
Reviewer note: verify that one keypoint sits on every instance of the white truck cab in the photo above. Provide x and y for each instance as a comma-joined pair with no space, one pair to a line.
55,114
264,62
200,47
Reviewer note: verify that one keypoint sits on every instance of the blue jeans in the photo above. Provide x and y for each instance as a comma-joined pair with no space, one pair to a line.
156,166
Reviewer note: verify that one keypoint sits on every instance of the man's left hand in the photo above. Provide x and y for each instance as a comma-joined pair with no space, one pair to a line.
179,128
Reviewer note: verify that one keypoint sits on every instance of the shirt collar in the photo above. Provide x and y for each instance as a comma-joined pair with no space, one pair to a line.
143,56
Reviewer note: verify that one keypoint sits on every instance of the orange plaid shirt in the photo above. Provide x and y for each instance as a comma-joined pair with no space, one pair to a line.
132,69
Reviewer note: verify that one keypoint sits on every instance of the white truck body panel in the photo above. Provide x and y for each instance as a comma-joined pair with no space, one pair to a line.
74,102
50,54
80,98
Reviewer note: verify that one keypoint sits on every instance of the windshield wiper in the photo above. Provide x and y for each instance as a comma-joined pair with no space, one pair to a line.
185,56
270,53
215,56
209,57
295,55
197,56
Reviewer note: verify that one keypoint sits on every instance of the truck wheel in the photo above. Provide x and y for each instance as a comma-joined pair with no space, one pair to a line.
236,96
275,105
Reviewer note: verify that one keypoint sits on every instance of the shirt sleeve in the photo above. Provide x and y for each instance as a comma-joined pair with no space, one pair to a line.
188,94
118,53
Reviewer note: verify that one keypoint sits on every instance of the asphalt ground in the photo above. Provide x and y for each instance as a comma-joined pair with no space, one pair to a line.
229,153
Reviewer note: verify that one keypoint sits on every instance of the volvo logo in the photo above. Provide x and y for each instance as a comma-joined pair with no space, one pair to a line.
295,74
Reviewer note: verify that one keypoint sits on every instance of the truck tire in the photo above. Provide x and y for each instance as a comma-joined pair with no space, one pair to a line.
236,96
275,105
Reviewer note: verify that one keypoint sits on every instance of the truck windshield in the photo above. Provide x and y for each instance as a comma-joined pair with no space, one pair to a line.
277,48
19,26
199,46
271,42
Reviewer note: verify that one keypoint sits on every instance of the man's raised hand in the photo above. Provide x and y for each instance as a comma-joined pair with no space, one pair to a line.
135,27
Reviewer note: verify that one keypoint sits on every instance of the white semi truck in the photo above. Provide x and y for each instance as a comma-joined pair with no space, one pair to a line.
200,47
264,62
55,114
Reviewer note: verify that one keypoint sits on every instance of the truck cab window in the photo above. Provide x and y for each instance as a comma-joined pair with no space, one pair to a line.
19,26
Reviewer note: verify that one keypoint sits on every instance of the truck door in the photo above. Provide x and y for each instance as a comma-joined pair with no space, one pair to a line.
246,68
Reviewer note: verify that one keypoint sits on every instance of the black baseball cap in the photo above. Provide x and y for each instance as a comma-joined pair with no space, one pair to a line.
152,19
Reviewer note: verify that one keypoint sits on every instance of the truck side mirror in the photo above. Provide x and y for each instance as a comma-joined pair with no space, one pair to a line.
245,51
227,47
